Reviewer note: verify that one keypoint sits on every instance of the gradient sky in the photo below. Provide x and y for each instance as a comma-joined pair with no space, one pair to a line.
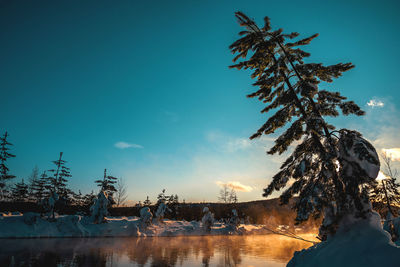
91,78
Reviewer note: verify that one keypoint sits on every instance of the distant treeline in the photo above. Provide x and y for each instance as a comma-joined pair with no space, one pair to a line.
258,212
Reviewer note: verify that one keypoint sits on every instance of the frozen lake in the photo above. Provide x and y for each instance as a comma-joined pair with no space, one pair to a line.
260,250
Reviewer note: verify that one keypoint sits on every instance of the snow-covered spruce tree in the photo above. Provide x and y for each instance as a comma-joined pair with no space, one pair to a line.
162,198
387,192
145,217
160,212
329,171
107,184
59,179
207,219
4,171
99,209
147,202
49,204
173,205
19,192
234,221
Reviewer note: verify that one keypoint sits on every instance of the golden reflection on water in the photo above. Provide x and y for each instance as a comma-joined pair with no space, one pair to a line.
265,250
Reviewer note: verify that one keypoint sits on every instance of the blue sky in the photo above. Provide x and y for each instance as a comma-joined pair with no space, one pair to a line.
82,77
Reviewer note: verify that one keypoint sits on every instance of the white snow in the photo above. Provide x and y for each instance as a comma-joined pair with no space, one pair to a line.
358,242
363,154
162,208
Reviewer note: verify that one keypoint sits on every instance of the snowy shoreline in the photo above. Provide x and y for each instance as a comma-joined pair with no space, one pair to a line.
32,225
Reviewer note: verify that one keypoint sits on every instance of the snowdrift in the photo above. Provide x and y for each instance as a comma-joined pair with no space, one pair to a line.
357,243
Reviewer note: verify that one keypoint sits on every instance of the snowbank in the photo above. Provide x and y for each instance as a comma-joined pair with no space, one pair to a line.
31,225
360,243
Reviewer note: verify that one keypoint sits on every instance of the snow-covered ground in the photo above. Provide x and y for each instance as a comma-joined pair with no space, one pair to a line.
358,242
31,225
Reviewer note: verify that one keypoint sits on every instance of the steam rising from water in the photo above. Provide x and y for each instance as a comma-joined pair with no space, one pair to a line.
267,250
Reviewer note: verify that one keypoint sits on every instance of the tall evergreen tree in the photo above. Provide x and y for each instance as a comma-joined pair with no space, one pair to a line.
19,192
60,178
4,155
107,184
327,177
387,192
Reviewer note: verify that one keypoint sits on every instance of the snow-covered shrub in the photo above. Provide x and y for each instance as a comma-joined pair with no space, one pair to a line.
145,216
234,221
160,212
99,210
208,219
48,205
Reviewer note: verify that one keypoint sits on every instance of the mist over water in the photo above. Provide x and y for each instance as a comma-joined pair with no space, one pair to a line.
265,250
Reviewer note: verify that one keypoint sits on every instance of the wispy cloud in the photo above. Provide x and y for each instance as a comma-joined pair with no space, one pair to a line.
124,145
375,103
237,186
231,144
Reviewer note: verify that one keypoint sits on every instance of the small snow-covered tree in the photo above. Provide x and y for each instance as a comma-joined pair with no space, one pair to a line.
234,221
19,192
99,209
160,212
173,205
4,171
147,202
145,217
331,172
107,184
207,219
49,204
162,198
